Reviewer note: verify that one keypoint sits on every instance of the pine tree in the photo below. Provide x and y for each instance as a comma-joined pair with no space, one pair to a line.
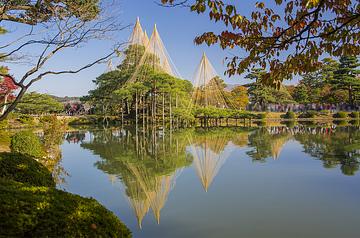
301,94
347,78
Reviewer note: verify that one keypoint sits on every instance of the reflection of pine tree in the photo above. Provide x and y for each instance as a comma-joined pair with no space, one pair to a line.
339,148
264,145
146,164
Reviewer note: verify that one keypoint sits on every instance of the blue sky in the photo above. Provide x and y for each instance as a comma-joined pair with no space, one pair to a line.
177,27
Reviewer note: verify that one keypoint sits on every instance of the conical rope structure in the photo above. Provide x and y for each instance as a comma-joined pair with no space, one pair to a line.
155,58
209,87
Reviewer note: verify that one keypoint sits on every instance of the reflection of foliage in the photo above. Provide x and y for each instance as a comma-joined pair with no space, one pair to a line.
339,148
75,137
52,139
145,163
263,144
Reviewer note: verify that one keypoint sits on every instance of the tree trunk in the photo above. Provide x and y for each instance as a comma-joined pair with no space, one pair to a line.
14,103
163,110
5,102
170,108
136,108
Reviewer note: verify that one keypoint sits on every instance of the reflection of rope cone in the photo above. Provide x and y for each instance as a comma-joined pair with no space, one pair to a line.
159,196
207,163
141,208
157,190
277,145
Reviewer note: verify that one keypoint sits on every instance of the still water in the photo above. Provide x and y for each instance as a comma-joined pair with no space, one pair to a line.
249,182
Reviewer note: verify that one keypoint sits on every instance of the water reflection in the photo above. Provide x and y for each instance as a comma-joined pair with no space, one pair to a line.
210,150
148,163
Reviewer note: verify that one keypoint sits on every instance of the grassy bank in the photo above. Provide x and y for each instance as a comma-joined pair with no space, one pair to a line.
31,206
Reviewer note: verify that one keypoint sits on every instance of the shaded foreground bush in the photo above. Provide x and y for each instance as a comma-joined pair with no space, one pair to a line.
24,169
31,207
355,115
340,115
289,115
309,114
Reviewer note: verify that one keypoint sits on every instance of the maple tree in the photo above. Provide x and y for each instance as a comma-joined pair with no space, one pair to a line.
286,39
7,88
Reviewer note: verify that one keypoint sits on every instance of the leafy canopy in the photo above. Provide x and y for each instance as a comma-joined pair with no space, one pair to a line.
32,12
287,39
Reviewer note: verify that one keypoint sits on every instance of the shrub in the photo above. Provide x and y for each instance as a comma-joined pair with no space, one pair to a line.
289,115
309,114
27,143
325,112
28,211
26,119
4,124
24,169
355,115
261,116
340,115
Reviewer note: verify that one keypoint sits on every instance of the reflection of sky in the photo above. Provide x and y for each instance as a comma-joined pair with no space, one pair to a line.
293,196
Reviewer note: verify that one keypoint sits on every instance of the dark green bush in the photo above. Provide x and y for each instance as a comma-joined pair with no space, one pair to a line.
355,122
289,115
340,115
28,211
355,115
309,114
261,116
27,143
24,169
25,119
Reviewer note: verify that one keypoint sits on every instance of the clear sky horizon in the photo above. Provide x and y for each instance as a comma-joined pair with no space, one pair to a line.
177,27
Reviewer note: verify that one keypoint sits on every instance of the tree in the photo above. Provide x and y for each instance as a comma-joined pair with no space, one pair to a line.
288,38
7,89
36,103
259,94
300,94
239,97
347,78
33,12
68,25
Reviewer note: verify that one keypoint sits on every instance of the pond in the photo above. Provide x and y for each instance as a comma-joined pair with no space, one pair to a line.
299,181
